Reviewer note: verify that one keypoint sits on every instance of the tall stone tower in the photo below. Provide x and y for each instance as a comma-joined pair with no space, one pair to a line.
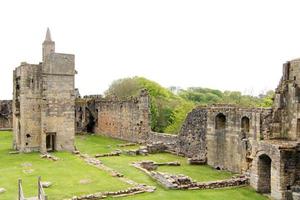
44,101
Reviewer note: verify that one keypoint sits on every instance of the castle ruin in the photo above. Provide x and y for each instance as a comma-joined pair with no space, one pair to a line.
262,143
44,102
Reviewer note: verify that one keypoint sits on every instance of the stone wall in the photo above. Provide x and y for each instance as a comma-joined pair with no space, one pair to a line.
169,140
123,119
222,135
286,117
192,137
6,115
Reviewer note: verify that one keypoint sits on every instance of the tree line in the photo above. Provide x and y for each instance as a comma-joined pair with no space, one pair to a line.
169,109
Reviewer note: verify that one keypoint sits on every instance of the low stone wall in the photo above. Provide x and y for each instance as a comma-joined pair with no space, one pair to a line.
181,181
169,140
103,195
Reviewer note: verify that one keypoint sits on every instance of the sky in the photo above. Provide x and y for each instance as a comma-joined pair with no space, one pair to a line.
228,45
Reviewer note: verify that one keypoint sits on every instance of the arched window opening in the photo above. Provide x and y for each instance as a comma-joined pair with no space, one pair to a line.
245,125
220,122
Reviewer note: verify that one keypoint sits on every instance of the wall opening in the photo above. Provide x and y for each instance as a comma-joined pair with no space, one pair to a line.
264,174
90,127
4,122
51,141
220,122
298,127
245,126
220,137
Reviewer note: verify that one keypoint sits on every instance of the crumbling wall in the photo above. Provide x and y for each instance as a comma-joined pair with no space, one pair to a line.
192,137
286,117
5,115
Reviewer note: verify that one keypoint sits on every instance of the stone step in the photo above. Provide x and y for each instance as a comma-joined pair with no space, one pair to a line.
32,198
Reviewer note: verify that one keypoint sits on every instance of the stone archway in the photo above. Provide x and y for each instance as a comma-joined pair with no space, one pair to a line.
264,174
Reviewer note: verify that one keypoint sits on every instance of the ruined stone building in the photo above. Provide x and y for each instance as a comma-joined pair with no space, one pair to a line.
44,102
261,142
123,119
5,115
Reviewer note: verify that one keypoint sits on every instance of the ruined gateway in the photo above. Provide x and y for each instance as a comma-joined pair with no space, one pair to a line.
261,143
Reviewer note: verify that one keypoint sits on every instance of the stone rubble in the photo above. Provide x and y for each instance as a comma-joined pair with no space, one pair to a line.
2,190
114,153
181,181
50,157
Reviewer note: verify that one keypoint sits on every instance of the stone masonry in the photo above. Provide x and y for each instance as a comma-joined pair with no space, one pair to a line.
124,119
263,143
6,115
44,102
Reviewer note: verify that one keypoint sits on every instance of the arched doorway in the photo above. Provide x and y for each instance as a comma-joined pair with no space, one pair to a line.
264,174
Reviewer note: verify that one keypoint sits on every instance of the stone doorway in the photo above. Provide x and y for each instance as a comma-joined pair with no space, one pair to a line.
264,174
90,128
50,142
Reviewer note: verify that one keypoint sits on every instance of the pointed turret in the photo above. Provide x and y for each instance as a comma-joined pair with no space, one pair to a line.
48,45
48,35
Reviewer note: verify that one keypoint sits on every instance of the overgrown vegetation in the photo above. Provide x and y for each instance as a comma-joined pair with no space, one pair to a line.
168,110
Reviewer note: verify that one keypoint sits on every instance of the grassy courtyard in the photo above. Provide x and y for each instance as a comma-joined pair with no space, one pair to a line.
72,176
99,144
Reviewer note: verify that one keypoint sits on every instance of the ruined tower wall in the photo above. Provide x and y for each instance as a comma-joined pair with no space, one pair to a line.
58,104
6,115
27,109
286,117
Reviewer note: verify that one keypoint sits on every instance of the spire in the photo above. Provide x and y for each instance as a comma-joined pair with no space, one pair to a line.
48,35
48,45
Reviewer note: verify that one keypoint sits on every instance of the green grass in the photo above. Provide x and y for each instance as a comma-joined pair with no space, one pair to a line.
98,144
65,174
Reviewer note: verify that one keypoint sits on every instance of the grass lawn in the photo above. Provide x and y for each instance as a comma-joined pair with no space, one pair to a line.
65,174
100,144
